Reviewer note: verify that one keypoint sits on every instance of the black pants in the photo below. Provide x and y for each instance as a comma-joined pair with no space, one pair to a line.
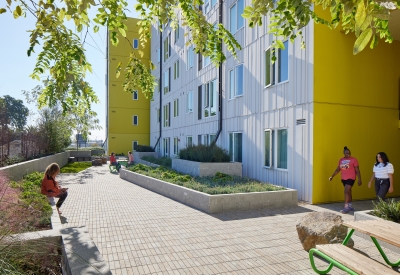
62,198
381,187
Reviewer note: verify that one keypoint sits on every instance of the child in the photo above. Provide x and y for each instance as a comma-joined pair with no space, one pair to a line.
50,186
113,161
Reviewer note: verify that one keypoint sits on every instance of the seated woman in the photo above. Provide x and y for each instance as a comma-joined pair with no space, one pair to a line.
130,159
113,161
50,186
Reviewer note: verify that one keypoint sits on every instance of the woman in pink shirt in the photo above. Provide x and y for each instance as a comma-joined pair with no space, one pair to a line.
348,166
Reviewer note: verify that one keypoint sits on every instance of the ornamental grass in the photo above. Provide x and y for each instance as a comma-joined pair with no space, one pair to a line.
219,184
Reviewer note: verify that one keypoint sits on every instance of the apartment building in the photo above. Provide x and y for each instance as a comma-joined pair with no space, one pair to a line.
127,115
287,122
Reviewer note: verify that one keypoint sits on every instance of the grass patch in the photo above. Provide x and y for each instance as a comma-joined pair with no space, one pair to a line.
75,167
167,162
389,210
219,184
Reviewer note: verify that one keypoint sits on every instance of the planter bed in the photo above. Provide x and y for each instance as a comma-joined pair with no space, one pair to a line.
365,215
204,169
213,203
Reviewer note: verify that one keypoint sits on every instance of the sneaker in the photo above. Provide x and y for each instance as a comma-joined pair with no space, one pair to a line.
345,210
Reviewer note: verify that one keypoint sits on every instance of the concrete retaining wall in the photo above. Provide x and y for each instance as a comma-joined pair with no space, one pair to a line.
213,203
203,169
364,215
80,154
17,171
137,156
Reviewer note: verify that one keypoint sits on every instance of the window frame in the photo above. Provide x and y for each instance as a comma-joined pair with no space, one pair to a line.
135,40
176,107
176,146
279,63
238,16
274,145
235,95
167,78
271,151
133,145
189,58
275,68
133,120
158,115
167,119
166,42
209,97
277,146
135,92
187,141
189,99
233,146
176,69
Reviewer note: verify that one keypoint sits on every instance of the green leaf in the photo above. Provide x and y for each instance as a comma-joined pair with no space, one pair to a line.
3,11
381,14
361,13
19,10
122,31
374,41
96,29
279,44
362,41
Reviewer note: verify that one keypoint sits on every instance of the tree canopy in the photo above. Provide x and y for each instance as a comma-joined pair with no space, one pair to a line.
13,112
62,59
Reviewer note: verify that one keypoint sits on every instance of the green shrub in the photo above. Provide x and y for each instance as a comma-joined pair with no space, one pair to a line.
167,162
75,167
204,153
219,184
389,210
144,148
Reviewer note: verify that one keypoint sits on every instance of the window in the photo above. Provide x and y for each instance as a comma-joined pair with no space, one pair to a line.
236,19
135,95
189,102
176,107
206,6
269,148
210,98
269,69
166,110
176,69
176,33
275,148
212,138
134,145
189,57
158,115
158,53
279,71
166,147
205,140
135,120
283,63
236,81
235,147
167,85
281,150
166,48
206,61
189,141
176,140
135,43
213,3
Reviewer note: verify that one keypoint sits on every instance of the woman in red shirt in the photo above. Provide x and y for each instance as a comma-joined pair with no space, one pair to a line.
113,161
50,186
349,168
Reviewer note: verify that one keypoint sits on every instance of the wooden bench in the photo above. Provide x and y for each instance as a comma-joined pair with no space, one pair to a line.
353,262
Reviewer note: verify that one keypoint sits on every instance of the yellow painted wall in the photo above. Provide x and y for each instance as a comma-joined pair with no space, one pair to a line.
121,106
356,102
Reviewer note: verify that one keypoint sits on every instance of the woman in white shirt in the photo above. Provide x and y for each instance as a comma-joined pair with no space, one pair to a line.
383,175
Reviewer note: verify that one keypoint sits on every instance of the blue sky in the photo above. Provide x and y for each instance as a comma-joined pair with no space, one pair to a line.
16,66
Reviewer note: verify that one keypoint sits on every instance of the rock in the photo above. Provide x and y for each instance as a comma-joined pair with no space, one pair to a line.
321,228
96,162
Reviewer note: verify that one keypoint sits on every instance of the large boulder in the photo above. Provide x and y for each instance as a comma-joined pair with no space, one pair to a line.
96,162
321,228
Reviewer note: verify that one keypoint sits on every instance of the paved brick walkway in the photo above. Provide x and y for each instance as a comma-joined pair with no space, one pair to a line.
140,232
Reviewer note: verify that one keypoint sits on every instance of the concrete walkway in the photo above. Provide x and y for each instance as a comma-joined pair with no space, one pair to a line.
140,232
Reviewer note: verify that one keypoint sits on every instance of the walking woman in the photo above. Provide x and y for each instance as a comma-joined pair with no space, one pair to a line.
349,168
383,174
50,186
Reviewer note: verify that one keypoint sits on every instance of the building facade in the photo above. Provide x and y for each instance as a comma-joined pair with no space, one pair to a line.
128,115
287,122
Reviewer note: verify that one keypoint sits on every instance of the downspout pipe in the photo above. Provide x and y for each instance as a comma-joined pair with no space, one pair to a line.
160,90
219,81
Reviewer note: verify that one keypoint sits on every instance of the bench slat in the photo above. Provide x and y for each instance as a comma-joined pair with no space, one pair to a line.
354,260
383,230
